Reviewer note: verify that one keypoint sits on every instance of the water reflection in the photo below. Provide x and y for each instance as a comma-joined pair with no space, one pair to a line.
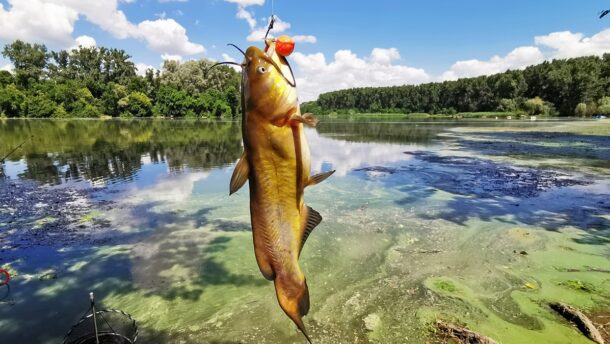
391,132
102,151
334,153
99,152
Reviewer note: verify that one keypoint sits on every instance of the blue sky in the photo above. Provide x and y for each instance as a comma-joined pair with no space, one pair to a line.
416,41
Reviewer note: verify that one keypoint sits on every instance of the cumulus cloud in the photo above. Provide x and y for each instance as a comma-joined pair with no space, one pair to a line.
52,21
7,67
346,70
257,33
305,39
246,15
37,20
170,57
246,3
85,42
141,68
566,44
518,58
167,36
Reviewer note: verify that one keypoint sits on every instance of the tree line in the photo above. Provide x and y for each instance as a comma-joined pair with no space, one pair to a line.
95,82
565,87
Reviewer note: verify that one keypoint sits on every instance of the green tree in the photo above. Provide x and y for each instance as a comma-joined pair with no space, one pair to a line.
109,101
581,109
30,61
40,106
136,104
173,102
12,101
603,107
508,105
537,106
6,78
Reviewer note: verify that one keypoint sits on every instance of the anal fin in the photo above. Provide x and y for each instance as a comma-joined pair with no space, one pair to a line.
318,178
313,219
240,174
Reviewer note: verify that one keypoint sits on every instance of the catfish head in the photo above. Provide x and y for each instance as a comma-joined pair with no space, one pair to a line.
268,93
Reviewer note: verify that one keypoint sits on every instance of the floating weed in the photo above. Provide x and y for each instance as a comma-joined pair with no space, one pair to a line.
578,285
445,286
91,216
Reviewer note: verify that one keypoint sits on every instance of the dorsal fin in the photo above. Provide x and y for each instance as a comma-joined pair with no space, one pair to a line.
313,219
240,174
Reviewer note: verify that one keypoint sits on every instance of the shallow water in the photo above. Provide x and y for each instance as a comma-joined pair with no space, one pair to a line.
422,221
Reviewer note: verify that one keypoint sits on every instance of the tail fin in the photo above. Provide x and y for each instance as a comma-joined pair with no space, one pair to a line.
294,300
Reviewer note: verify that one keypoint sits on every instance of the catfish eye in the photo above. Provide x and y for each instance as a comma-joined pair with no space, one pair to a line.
261,70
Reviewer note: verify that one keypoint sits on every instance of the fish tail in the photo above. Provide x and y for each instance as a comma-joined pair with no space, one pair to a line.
294,300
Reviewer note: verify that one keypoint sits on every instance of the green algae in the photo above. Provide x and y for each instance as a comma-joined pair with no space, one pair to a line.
91,216
578,285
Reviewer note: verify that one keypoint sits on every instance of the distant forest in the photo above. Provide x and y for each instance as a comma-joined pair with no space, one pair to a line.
96,82
578,86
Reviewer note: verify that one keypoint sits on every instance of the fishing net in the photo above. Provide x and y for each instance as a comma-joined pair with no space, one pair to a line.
109,326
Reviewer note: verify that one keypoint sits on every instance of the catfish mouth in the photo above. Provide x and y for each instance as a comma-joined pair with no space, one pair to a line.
268,59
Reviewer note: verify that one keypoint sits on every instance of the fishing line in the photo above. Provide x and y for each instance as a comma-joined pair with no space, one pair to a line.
13,151
272,19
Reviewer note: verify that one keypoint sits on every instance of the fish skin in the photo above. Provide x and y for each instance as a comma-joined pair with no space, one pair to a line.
278,169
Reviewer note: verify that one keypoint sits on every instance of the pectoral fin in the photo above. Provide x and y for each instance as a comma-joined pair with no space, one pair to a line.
313,219
318,178
240,174
308,119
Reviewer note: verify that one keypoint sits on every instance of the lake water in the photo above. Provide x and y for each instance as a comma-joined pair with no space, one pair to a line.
458,221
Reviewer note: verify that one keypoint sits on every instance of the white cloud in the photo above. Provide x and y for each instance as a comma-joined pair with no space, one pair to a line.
246,15
517,59
566,44
141,68
171,57
228,58
384,56
305,39
315,75
258,33
85,42
37,20
169,37
52,21
7,67
246,3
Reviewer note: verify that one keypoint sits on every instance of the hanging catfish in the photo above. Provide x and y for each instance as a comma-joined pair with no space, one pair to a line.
276,162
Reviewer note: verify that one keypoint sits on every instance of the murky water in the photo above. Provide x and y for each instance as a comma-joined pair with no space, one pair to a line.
422,221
